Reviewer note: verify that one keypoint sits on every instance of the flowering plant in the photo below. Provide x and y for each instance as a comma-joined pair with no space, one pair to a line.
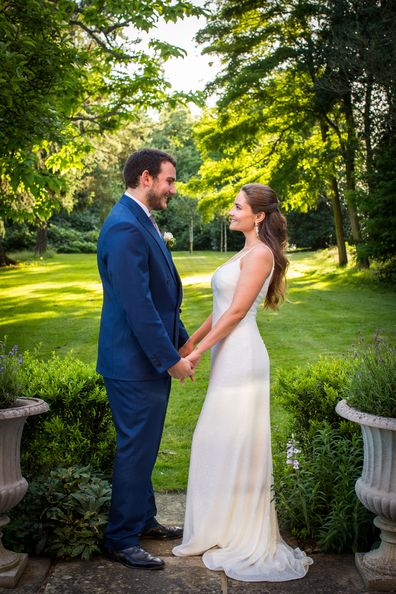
10,377
169,239
292,452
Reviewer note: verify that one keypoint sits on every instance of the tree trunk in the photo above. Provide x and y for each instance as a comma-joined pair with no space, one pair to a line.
221,235
41,240
349,154
191,234
4,259
336,205
339,228
367,133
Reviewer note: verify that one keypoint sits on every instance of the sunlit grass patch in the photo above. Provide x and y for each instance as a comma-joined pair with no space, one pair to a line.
57,302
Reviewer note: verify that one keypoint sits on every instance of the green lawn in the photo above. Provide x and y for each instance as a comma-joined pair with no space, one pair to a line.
56,302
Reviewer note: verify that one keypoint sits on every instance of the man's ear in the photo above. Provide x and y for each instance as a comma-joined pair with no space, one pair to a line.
146,178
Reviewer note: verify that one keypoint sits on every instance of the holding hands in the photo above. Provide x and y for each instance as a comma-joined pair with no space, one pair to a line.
185,368
190,352
182,369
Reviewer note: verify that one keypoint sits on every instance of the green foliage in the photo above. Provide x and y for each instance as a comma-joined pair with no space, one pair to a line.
313,229
311,393
315,487
371,385
71,241
316,497
304,109
378,205
78,429
11,384
173,134
19,236
62,515
71,71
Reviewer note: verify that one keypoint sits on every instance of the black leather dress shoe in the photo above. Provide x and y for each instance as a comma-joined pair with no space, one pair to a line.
160,532
137,557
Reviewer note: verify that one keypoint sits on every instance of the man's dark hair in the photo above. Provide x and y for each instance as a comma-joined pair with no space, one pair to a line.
139,161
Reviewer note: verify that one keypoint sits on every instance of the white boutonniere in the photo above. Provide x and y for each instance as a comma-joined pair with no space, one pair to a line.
169,239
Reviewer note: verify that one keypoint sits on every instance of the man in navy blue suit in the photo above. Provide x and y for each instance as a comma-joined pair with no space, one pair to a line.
140,337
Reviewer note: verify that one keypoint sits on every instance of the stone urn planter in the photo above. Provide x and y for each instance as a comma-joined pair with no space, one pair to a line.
376,489
12,484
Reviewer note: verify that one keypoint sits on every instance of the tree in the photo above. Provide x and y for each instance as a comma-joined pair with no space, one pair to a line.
173,134
71,71
297,76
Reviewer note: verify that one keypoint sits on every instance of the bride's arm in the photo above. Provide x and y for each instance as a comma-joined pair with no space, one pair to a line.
255,267
198,335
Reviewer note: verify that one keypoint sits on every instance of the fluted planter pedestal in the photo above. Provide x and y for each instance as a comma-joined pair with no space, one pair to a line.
12,484
376,489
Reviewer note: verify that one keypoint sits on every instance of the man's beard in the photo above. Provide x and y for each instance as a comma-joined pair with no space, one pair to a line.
154,200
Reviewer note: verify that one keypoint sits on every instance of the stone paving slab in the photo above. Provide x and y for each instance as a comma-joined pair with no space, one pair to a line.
105,577
330,574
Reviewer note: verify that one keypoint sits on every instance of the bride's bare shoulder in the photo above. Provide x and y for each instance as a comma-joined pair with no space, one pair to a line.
260,255
261,252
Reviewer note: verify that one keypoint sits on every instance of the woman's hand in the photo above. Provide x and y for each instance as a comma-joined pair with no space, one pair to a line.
187,348
194,357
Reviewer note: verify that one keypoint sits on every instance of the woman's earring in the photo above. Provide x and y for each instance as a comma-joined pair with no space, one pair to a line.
256,227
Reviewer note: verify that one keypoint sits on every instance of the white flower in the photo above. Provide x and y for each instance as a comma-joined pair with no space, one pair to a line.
169,239
292,453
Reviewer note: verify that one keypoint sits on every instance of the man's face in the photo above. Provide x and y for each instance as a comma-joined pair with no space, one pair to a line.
162,188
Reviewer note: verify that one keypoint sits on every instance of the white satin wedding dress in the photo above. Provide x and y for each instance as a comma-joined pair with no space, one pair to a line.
230,514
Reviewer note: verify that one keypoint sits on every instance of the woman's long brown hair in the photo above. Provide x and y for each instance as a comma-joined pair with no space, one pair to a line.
273,232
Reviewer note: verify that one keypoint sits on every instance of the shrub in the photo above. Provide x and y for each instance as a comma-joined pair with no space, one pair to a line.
78,428
315,496
371,385
311,393
19,236
62,515
67,240
315,489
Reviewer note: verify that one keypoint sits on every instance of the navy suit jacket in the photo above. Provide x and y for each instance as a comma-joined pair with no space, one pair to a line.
140,329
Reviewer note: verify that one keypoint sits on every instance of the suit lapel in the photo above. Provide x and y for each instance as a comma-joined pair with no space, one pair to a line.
149,227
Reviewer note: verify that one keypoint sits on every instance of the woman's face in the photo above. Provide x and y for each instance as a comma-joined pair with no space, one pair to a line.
242,216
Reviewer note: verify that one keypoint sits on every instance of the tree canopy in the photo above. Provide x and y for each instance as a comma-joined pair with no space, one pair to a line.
306,95
70,71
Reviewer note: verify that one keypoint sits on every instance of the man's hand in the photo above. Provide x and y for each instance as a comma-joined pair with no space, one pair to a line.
187,348
182,369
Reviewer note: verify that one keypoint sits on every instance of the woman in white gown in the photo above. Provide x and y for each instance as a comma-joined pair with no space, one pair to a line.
230,514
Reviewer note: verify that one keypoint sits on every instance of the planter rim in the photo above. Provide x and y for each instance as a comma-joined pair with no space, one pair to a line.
363,418
24,407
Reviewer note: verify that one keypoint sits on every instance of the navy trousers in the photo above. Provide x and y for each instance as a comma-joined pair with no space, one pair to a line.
138,409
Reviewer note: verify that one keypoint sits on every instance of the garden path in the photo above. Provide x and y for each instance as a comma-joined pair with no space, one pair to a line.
330,574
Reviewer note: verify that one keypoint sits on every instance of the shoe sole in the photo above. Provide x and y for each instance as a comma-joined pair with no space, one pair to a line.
152,567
